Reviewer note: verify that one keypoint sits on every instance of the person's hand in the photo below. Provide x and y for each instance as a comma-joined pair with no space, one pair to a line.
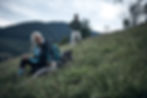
54,65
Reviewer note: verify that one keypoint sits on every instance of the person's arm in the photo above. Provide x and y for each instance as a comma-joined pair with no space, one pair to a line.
34,58
56,53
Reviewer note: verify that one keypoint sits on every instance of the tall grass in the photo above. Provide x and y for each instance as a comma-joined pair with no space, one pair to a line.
109,66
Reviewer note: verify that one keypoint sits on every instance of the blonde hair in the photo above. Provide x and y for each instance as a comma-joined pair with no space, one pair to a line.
34,35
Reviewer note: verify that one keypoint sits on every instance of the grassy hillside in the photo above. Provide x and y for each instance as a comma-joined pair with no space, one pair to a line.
110,66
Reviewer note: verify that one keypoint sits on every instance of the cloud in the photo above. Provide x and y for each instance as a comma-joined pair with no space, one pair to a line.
4,22
99,12
22,9
109,11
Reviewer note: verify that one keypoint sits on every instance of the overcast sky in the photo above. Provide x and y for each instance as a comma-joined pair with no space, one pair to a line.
100,13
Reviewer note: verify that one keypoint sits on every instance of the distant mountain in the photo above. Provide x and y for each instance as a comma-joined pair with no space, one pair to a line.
15,40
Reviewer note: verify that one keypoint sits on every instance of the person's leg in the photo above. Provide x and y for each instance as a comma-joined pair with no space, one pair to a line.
24,63
33,69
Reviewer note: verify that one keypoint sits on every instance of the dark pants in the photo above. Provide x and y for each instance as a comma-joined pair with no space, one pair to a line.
34,67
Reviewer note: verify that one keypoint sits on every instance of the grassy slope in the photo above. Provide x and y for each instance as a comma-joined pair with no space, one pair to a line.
112,65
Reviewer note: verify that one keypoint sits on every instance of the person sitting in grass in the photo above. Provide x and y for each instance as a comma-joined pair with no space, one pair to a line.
45,54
